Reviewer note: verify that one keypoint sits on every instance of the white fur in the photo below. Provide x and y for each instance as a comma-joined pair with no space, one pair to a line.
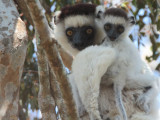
78,21
88,84
99,8
114,19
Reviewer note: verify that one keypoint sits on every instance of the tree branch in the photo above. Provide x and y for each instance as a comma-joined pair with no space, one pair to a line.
56,92
67,59
53,57
45,99
24,9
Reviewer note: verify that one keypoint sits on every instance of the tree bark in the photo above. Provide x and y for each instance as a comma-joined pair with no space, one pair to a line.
56,93
67,59
45,99
13,46
24,9
52,55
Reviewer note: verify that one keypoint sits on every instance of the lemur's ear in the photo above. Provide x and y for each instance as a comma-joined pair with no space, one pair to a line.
132,20
56,17
99,11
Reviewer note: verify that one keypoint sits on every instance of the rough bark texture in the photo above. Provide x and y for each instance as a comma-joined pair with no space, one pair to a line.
56,93
67,59
53,57
24,9
45,99
13,45
158,1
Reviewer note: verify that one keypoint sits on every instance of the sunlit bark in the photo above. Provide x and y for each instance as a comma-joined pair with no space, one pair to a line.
13,46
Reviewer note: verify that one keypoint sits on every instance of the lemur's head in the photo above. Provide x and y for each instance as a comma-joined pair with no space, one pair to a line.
116,23
75,27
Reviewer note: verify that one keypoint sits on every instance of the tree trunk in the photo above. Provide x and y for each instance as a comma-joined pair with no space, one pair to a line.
13,46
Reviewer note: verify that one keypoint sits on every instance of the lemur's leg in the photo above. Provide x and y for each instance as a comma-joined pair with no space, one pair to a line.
148,82
145,100
80,107
88,90
119,82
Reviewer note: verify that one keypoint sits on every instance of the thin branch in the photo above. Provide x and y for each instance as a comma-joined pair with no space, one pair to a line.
56,93
30,71
53,57
24,9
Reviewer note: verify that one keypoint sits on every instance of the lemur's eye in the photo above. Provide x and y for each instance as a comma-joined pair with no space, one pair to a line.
69,32
89,31
120,29
107,26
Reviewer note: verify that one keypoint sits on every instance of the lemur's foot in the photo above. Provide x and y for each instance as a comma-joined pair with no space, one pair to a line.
143,103
95,116
82,111
117,117
97,119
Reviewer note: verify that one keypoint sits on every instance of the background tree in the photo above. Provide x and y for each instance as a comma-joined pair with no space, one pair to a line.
13,46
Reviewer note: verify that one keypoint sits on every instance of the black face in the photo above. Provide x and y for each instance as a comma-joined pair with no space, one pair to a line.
80,37
113,31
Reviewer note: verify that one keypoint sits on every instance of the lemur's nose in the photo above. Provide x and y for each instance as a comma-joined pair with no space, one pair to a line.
112,38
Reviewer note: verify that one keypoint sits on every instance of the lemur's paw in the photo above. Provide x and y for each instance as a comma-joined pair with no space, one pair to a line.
82,111
95,116
107,119
117,117
143,103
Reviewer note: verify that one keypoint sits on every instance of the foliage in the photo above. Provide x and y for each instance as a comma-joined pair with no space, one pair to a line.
29,85
151,10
